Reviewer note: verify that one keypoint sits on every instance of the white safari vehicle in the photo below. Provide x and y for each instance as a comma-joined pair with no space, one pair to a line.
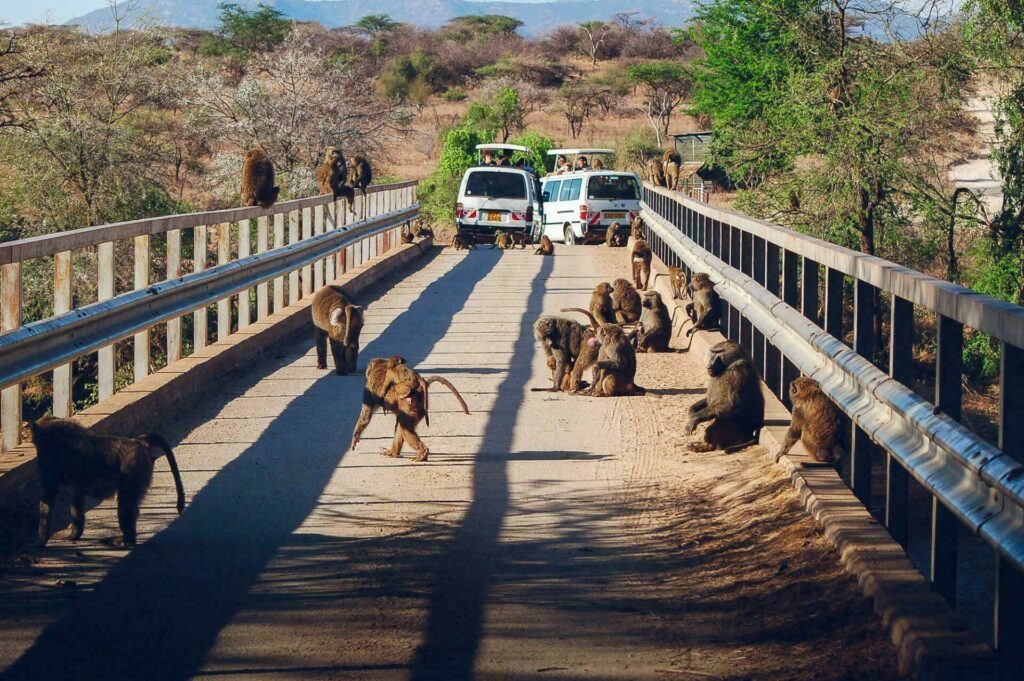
493,197
579,205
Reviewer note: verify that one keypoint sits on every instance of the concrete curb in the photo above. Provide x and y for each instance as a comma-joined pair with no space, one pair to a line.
933,643
123,412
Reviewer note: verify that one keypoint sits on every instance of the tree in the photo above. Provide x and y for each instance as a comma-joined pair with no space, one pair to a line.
574,103
482,26
593,38
375,24
664,86
242,32
14,72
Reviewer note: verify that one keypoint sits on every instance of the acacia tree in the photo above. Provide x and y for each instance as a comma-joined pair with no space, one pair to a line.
594,36
14,73
574,103
664,86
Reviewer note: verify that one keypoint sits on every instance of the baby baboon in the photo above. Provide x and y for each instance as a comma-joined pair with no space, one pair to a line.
656,172
502,240
654,330
393,386
677,278
601,304
625,302
615,237
463,241
733,401
258,180
636,229
671,161
815,422
519,239
615,368
705,310
422,231
99,466
562,340
338,321
332,173
406,235
546,247
641,259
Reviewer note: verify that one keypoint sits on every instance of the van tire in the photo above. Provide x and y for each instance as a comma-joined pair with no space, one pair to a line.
570,238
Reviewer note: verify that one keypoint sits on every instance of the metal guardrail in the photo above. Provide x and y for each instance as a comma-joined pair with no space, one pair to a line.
34,348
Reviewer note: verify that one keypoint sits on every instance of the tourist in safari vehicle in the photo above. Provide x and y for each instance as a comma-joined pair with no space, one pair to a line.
499,195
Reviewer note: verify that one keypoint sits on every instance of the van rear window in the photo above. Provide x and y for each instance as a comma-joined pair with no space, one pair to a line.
613,187
496,185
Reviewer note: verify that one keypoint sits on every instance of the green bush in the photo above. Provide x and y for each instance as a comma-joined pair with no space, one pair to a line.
411,77
453,95
539,146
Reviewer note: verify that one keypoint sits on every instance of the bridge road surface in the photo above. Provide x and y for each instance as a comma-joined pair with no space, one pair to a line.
514,553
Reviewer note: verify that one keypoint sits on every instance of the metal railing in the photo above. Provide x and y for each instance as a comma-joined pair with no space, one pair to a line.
769,281
324,239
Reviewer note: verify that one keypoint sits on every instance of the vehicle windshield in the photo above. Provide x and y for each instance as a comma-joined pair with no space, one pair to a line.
613,187
496,185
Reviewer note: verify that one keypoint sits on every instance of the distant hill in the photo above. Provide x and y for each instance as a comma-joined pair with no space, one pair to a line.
537,17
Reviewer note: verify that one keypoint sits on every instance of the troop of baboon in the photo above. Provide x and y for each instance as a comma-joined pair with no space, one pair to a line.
333,176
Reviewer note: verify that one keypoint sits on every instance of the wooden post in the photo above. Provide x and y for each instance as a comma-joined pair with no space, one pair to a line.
278,243
307,270
332,223
61,304
262,290
10,319
901,366
105,291
862,449
318,229
223,257
244,251
141,358
199,330
293,276
949,399
173,272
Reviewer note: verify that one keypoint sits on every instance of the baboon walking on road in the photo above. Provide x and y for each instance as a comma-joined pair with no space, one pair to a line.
336,320
641,258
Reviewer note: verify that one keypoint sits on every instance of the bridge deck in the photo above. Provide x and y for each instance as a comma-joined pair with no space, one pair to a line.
554,537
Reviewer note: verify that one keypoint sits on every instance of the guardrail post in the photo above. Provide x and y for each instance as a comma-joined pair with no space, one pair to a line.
278,243
746,265
262,290
772,355
244,251
759,271
809,291
200,332
861,447
140,363
293,237
307,270
834,282
173,272
949,399
105,291
732,257
901,368
223,257
332,223
62,304
318,229
791,296
10,319
1008,634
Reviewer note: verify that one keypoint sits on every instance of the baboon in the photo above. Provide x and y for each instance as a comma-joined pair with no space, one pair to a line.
422,232
654,330
614,237
360,175
636,228
519,239
338,321
705,308
677,278
671,156
601,304
406,235
656,172
90,464
615,368
625,302
502,240
641,259
815,422
258,180
563,341
463,242
332,173
391,384
546,247
585,360
733,400
671,161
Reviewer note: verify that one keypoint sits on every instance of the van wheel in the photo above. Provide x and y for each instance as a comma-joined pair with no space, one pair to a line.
570,238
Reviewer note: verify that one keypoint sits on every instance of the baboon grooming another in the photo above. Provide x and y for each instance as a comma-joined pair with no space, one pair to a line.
394,386
519,239
733,401
625,302
463,242
563,341
546,247
815,422
705,310
98,466
258,180
332,173
677,278
654,330
615,368
502,240
338,321
614,237
641,258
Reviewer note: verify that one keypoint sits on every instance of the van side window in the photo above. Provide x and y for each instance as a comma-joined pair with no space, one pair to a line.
551,190
571,189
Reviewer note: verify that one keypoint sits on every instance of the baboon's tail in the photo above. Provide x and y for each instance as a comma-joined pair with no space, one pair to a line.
447,384
157,443
593,320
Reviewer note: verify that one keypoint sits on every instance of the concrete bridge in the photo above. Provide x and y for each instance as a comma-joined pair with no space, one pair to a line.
550,536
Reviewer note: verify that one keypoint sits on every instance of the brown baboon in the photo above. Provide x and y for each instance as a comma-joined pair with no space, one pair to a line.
546,247
394,386
601,304
332,173
625,302
90,464
422,231
671,156
654,330
585,360
258,180
641,260
705,310
615,237
733,401
406,235
360,175
656,172
636,228
463,241
502,240
562,340
815,422
677,278
336,320
615,368
671,162
519,239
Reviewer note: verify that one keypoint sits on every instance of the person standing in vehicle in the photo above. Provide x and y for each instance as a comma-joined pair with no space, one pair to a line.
488,158
581,163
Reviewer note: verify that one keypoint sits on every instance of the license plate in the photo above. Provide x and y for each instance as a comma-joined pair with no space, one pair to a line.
493,217
613,216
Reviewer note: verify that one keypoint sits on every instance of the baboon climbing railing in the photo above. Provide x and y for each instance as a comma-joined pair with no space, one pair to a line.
257,273
769,279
